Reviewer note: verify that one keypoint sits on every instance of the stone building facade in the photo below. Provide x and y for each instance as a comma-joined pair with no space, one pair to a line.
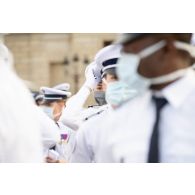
50,59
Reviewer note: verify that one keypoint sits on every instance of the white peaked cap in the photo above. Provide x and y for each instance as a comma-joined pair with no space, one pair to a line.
107,57
62,87
54,94
39,97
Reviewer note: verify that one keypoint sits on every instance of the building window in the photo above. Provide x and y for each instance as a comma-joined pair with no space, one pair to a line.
106,43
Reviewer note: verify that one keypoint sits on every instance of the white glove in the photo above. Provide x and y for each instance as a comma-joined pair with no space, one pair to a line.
53,154
92,76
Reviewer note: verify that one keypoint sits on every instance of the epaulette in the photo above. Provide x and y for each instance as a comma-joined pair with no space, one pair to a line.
97,113
93,106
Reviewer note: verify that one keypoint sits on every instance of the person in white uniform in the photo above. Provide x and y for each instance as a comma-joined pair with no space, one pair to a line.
158,124
49,131
53,104
20,137
67,143
92,110
88,136
75,113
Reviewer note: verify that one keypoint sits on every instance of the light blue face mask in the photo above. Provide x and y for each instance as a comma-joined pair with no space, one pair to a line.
48,111
128,66
118,92
100,97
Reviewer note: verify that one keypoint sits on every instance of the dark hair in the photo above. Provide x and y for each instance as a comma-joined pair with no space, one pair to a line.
49,102
111,71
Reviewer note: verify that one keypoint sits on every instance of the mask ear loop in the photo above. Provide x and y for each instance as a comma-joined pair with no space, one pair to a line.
151,49
185,46
179,73
169,77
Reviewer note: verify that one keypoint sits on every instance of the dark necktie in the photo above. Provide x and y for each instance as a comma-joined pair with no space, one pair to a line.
153,155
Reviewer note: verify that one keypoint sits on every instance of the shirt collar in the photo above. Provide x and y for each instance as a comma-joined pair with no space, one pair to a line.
177,92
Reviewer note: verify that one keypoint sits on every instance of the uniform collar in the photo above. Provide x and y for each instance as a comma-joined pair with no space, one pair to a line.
178,91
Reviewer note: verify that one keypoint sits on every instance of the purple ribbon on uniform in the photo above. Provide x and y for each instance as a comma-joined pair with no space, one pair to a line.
64,136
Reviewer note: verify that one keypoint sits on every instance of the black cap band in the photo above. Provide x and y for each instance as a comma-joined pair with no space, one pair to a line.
53,96
110,62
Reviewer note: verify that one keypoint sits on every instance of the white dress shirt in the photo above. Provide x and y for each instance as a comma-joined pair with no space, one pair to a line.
49,131
87,137
129,129
74,108
65,147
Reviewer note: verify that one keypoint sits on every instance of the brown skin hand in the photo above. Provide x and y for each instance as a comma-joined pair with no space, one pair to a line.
165,61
